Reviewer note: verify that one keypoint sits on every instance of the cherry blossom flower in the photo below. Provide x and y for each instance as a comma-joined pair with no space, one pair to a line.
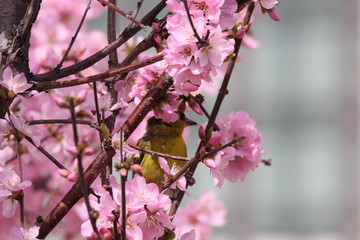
201,216
10,185
16,84
267,4
24,233
170,173
22,126
6,138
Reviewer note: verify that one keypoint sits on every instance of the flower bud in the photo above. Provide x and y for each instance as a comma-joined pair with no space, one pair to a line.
111,217
201,133
81,96
88,151
209,162
72,177
107,235
273,14
104,230
72,150
63,172
157,38
240,33
135,167
60,102
156,27
202,151
123,172
195,106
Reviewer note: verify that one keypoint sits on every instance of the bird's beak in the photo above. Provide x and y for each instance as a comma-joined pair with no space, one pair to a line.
189,122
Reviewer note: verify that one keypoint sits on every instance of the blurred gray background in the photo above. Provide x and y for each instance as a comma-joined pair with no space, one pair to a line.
301,87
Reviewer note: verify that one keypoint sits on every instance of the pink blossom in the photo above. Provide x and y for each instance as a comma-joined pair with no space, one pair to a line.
6,137
24,233
104,208
201,216
191,235
273,14
170,173
9,185
227,19
267,4
15,84
217,49
22,126
233,163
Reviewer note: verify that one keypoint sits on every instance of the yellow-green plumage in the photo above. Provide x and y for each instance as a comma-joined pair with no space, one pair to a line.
164,138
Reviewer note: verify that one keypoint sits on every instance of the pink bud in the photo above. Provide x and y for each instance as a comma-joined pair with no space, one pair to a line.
209,162
156,27
94,235
135,167
157,38
60,102
88,151
111,217
240,33
273,14
104,230
195,107
63,172
72,177
72,150
107,235
123,172
202,151
81,96
202,133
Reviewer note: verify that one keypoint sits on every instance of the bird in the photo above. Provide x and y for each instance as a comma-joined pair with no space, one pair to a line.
162,137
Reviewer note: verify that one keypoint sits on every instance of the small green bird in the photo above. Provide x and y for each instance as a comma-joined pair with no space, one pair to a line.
165,138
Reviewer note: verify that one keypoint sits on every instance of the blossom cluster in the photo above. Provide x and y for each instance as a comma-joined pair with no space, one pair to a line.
191,56
234,162
197,40
147,213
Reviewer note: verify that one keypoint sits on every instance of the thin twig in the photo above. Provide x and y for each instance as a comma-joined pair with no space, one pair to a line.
97,111
112,6
185,159
63,121
46,153
137,10
98,77
84,187
74,37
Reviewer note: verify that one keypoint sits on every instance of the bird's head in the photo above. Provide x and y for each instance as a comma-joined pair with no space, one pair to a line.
158,126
